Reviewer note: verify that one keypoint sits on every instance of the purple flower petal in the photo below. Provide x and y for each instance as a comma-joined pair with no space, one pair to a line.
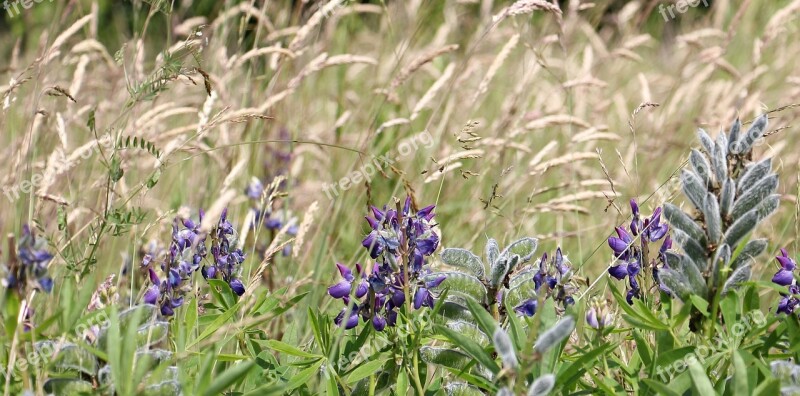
151,295
783,277
345,272
619,271
237,287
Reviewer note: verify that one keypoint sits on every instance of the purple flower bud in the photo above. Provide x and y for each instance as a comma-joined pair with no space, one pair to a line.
527,308
378,322
345,272
783,277
619,271
237,287
591,316
166,309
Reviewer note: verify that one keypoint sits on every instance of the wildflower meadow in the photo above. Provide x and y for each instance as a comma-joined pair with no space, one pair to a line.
400,197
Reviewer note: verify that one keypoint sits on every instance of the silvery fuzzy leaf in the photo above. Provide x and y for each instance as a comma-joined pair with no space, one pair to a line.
741,274
701,166
470,330
693,188
719,163
680,220
712,217
524,275
504,348
691,272
504,391
722,142
463,258
449,358
753,173
460,283
554,335
755,132
68,386
455,308
721,260
786,371
750,251
733,135
746,223
727,196
705,140
499,270
755,195
492,251
523,247
542,386
66,357
512,263
689,245
521,292
461,389
675,282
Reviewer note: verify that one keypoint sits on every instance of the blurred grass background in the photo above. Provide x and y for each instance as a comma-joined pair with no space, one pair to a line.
525,111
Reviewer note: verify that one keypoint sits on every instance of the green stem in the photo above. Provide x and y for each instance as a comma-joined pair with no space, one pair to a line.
417,382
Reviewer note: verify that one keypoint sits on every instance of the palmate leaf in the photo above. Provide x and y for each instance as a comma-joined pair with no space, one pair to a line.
752,197
461,284
754,173
455,308
464,259
524,248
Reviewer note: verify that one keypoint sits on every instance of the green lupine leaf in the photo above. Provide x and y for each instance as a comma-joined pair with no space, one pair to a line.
693,188
680,220
727,196
753,174
525,248
461,389
750,251
365,370
229,377
461,283
705,141
676,282
542,385
747,223
701,166
740,275
470,347
463,258
701,385
712,217
554,335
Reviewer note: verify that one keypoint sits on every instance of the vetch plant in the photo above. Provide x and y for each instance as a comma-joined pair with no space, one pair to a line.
731,195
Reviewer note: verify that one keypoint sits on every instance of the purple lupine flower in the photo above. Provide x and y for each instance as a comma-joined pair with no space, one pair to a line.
598,315
33,260
789,302
527,307
653,229
342,289
392,233
227,260
784,276
622,244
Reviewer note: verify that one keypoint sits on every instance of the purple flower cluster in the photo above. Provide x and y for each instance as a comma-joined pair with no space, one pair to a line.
400,242
186,252
629,255
785,277
31,264
555,274
227,258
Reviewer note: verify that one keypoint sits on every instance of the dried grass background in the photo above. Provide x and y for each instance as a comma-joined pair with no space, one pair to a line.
545,123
